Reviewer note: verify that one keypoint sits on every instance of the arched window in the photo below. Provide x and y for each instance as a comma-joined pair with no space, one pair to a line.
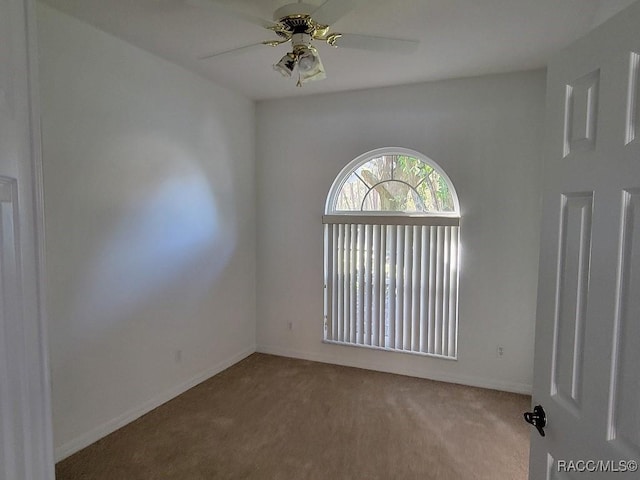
397,181
392,221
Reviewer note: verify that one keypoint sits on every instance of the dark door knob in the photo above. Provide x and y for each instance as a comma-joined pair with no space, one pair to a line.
537,418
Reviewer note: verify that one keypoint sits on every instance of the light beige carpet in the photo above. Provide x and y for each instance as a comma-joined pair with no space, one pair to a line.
275,418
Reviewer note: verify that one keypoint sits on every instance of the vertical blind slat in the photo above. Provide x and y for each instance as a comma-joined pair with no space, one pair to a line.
368,275
399,287
337,286
390,322
339,333
445,291
328,275
438,297
347,282
433,252
334,282
382,273
375,284
408,288
354,283
360,285
424,291
453,298
415,291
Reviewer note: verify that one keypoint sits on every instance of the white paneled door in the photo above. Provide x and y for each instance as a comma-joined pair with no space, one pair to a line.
25,419
587,367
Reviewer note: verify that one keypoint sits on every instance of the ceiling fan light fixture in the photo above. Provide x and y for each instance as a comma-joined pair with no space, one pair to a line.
307,59
286,65
315,70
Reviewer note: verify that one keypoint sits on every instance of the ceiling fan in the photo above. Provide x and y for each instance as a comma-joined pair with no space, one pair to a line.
302,24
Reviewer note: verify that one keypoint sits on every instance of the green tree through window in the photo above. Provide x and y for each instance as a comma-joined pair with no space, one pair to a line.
396,183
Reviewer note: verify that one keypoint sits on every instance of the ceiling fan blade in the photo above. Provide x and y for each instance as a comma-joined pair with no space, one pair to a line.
222,9
376,44
333,10
232,51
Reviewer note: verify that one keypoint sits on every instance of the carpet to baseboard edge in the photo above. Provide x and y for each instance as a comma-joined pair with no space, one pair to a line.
69,448
512,387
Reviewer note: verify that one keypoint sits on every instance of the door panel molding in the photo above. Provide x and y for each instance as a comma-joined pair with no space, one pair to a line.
572,291
581,113
633,99
624,399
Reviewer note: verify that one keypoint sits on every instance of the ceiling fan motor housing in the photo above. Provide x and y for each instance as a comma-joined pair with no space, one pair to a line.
294,19
293,10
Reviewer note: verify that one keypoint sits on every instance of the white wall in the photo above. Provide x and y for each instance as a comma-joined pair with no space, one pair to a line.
150,225
485,133
608,8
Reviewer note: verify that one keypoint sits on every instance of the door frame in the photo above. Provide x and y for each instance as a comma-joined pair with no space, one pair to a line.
33,452
41,352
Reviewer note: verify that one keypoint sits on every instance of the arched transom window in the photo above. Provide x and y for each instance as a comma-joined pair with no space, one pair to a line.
394,182
392,230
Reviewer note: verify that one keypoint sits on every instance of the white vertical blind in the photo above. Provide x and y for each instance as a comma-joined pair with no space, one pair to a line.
382,286
392,286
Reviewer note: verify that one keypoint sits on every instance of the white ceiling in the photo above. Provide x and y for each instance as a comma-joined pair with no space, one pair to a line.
458,38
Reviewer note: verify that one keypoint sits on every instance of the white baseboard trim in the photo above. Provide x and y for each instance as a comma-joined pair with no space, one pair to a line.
471,381
95,434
